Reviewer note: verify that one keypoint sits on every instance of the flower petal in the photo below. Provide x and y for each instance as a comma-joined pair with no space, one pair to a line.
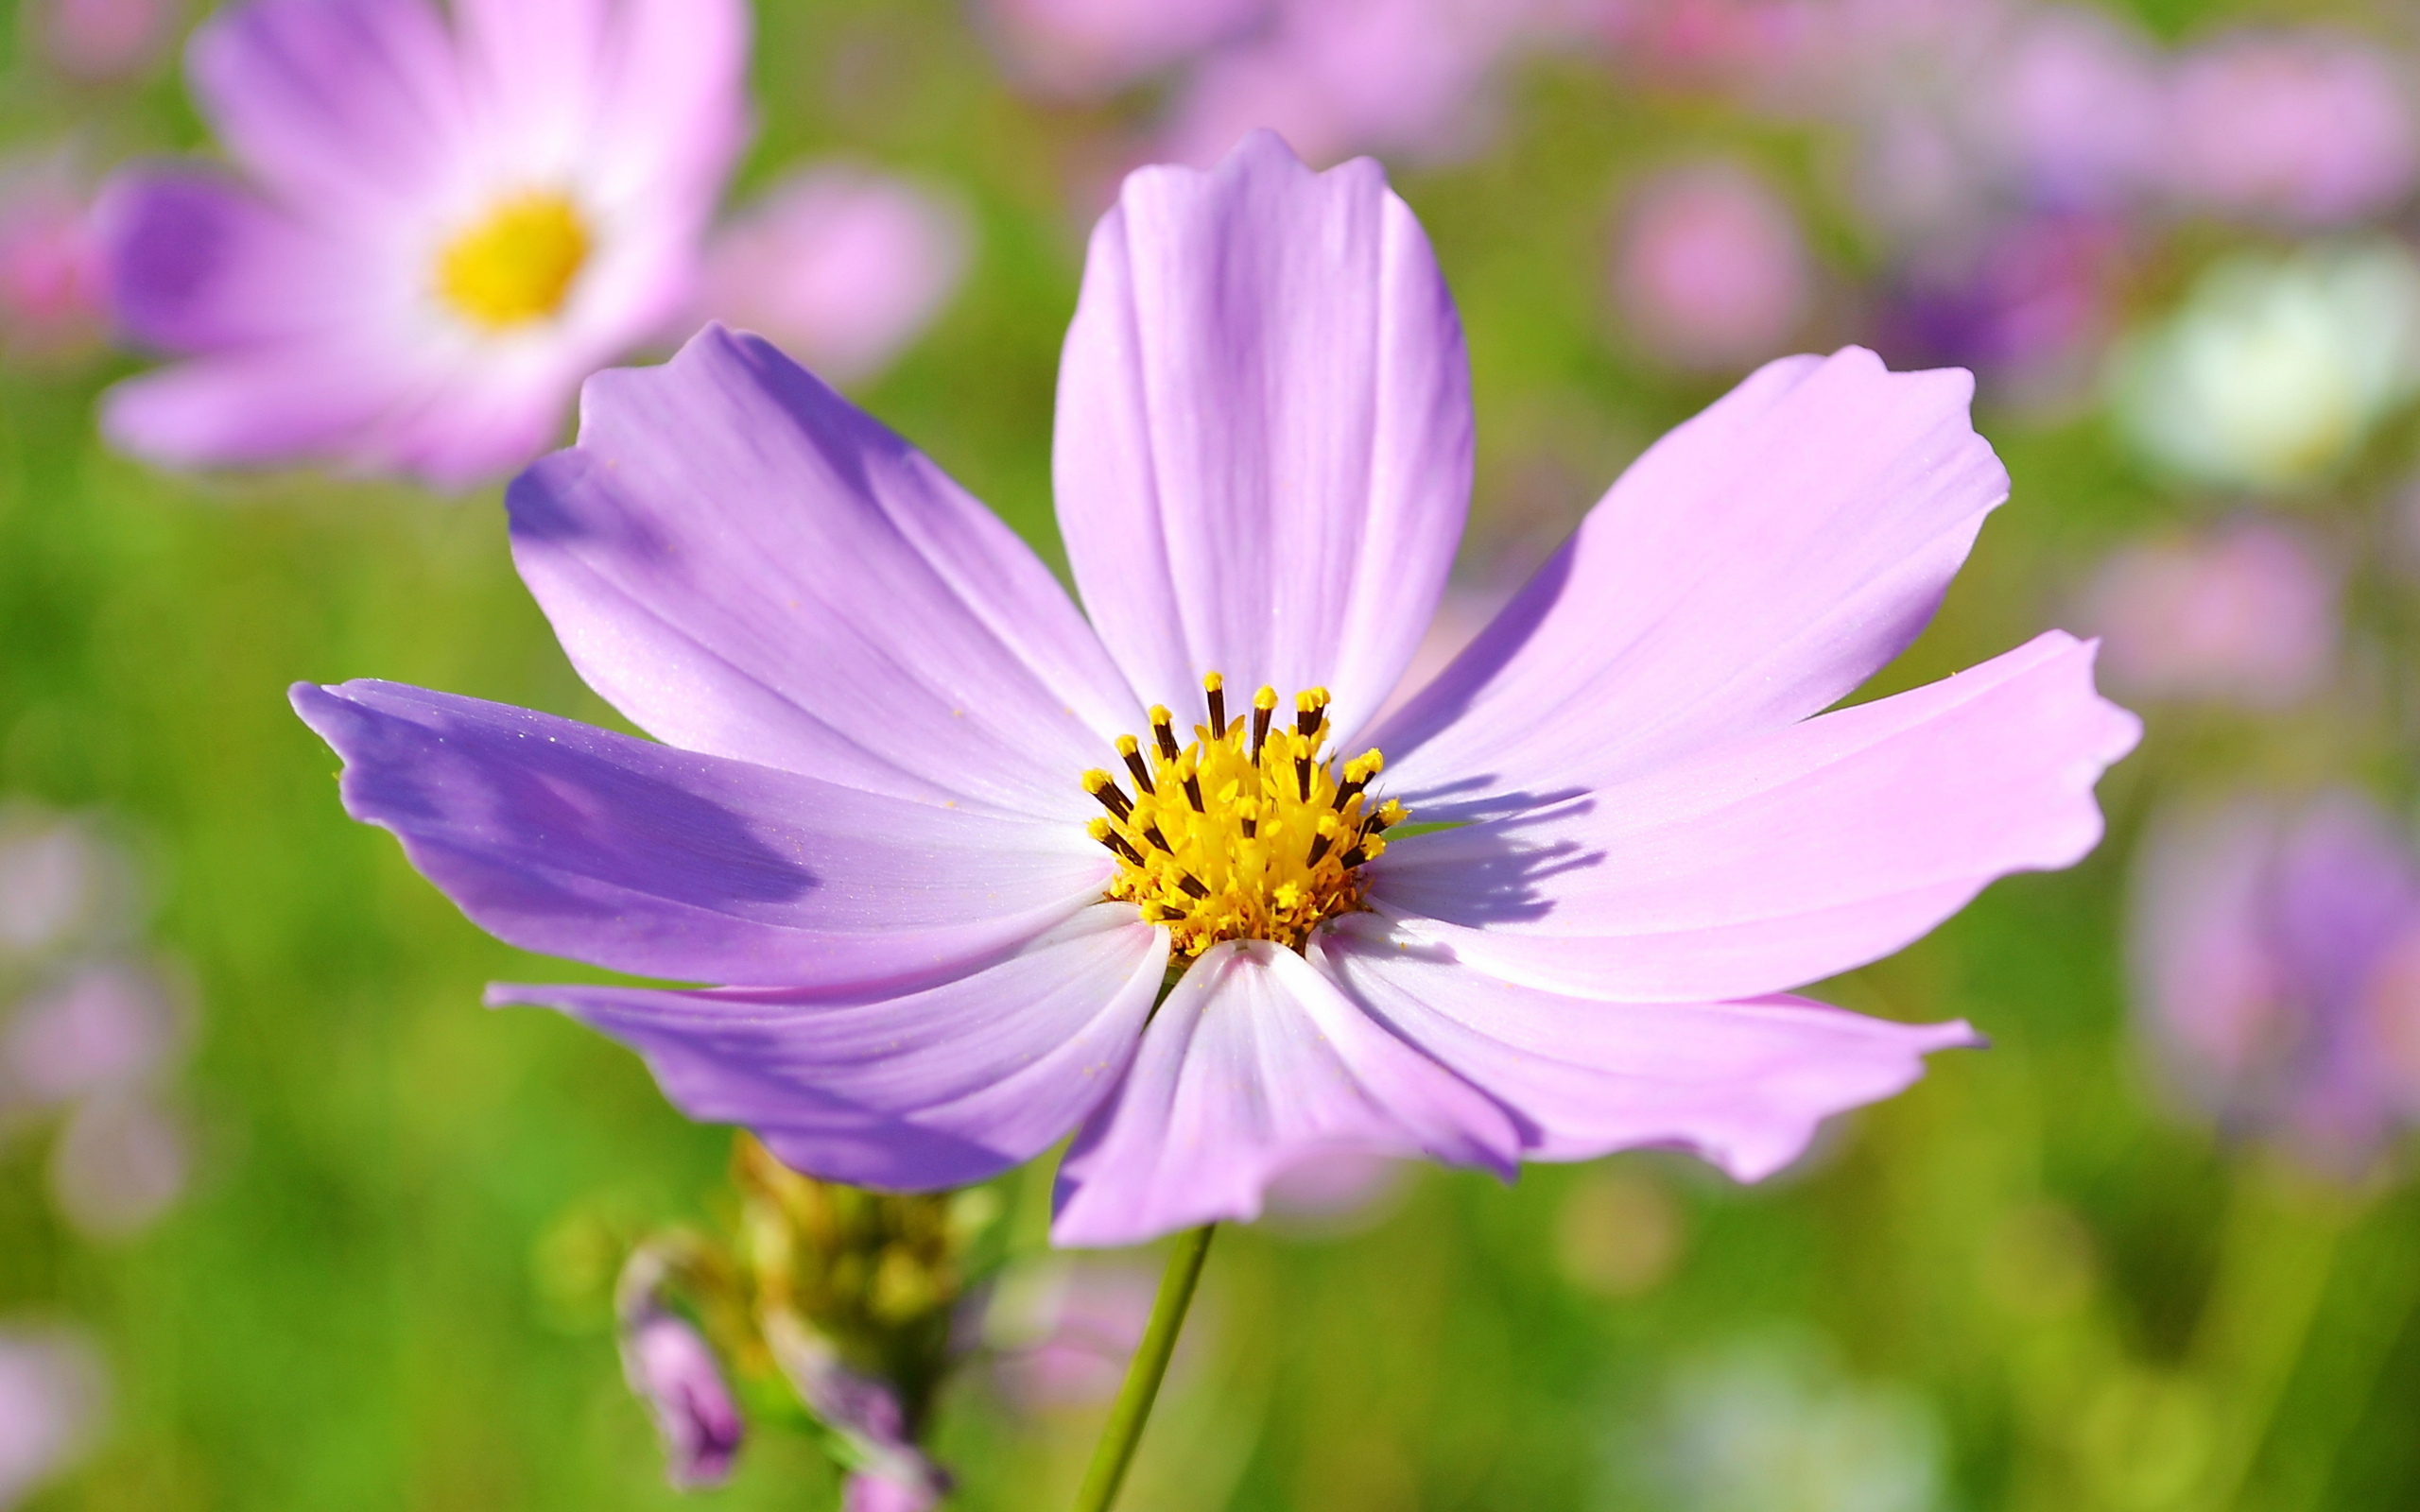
1743,1084
1785,858
1255,1062
1263,454
930,1089
1755,566
197,263
333,106
253,406
560,837
746,564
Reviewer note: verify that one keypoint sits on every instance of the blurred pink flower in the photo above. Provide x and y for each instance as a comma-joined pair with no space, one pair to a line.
105,38
2274,948
1711,271
60,883
51,1393
882,1493
50,274
2070,107
2245,615
119,1162
1334,1193
110,1025
1339,77
839,266
2310,128
1084,49
1064,1328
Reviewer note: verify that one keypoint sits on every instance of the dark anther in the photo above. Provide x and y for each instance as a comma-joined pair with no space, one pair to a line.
1319,848
1114,799
1375,823
1153,834
1118,843
1251,829
1346,789
1260,729
1219,711
1192,884
1306,721
1303,776
1141,769
1193,792
1352,858
1165,732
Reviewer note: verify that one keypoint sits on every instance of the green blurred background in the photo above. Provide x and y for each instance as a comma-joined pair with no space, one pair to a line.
2027,1284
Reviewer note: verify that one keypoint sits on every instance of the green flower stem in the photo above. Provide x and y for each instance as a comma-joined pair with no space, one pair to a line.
1124,1431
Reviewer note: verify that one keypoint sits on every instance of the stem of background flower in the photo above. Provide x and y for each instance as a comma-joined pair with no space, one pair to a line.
1132,1408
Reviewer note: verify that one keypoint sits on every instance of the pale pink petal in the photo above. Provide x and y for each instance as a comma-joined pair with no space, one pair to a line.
1743,1083
1752,567
1255,1062
746,564
1263,445
1783,859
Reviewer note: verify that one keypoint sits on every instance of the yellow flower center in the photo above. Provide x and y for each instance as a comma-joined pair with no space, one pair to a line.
517,265
1247,832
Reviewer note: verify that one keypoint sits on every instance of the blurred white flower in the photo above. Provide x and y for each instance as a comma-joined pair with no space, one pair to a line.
1774,1426
2275,368
840,265
51,1393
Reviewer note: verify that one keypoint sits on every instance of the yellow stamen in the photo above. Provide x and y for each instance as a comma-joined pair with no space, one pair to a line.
1246,834
517,265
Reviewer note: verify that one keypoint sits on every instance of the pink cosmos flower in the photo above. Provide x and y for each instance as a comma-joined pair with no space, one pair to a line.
839,266
1085,49
50,275
2278,964
2310,128
105,38
2246,616
52,1391
902,807
1711,270
437,230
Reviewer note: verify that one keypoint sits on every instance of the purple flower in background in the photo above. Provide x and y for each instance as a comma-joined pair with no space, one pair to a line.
1084,49
2310,127
51,1393
437,230
903,807
1064,1328
110,1025
2027,305
2071,109
50,274
2245,615
1711,270
2277,968
839,266
672,1369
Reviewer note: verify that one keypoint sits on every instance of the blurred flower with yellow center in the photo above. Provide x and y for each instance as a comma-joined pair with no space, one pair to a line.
517,265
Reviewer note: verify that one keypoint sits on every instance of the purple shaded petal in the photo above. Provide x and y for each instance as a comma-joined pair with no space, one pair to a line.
1752,567
1743,1084
1782,859
1263,454
560,837
746,564
915,1092
1255,1062
673,1371
193,262
334,105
